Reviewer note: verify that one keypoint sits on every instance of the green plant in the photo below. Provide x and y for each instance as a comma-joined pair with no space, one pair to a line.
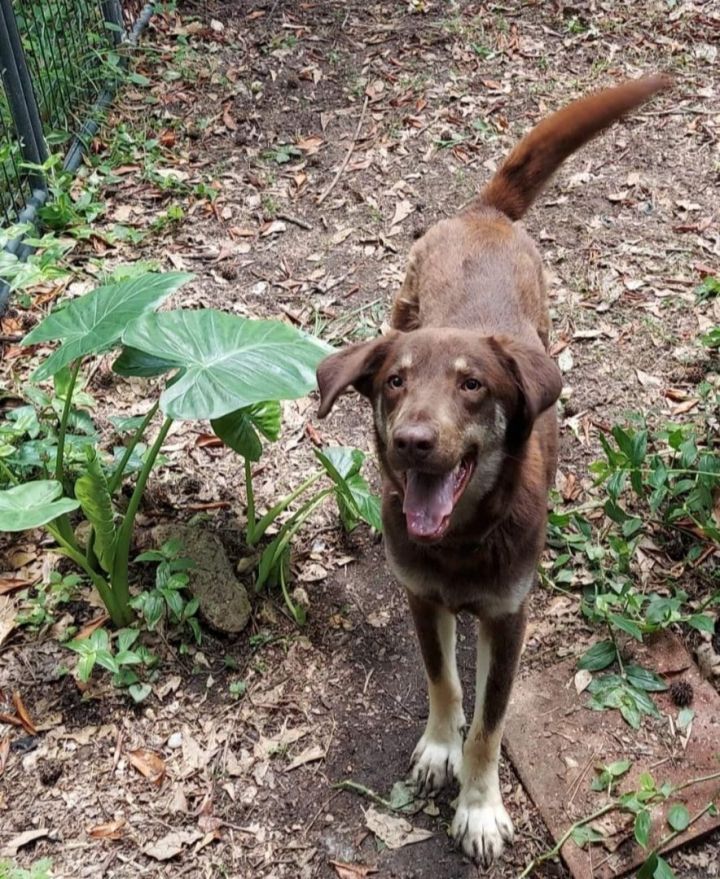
39,870
40,608
238,689
282,154
339,466
709,289
660,486
122,661
638,803
221,365
167,601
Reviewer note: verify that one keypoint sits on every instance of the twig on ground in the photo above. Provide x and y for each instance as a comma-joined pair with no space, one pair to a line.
323,195
356,788
296,221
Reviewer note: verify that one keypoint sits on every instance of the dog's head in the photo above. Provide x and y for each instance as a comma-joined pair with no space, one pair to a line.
449,406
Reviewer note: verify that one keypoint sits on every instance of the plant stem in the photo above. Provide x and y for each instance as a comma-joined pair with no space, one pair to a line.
269,517
289,529
59,459
555,851
9,475
617,648
105,592
119,576
670,836
699,780
117,476
251,521
365,792
613,806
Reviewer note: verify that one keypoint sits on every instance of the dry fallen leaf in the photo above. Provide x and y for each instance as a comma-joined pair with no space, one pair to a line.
23,714
10,584
682,408
171,844
230,123
403,209
647,380
275,227
352,871
90,627
309,755
22,839
7,617
4,753
583,679
109,830
149,764
394,832
310,145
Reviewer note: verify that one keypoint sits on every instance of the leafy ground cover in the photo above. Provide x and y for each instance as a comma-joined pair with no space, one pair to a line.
222,159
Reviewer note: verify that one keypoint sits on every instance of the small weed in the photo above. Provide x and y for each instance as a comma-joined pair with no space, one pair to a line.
41,608
484,129
168,218
660,487
709,289
238,689
167,601
39,870
270,205
122,660
282,154
575,25
482,51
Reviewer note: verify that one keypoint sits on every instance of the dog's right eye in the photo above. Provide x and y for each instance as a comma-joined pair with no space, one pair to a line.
395,381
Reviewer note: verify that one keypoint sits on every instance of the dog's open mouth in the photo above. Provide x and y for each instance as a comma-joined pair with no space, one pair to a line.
430,499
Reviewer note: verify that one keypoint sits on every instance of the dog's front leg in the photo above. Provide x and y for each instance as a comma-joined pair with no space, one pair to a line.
481,824
436,759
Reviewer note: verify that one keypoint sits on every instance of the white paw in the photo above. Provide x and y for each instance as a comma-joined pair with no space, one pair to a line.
435,763
481,830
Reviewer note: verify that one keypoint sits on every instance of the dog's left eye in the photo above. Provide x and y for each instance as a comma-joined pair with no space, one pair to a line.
471,384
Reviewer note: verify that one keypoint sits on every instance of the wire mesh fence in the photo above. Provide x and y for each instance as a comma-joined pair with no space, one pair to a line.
57,58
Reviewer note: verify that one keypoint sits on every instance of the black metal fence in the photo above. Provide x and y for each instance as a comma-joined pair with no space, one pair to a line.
59,61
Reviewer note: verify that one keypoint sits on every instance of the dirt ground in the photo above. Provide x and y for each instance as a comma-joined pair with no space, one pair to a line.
432,94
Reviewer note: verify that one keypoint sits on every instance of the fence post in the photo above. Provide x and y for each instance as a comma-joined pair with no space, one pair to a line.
21,95
112,13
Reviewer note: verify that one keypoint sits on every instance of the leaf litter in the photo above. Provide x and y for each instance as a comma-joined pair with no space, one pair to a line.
354,685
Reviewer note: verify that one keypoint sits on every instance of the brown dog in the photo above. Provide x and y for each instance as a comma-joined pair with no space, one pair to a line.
463,395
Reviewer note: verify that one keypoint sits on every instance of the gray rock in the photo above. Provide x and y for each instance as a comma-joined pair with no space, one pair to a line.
224,602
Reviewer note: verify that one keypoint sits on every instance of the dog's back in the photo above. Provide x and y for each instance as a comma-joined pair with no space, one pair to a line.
480,269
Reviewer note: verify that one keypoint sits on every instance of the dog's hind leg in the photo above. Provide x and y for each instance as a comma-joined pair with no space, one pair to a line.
436,759
481,825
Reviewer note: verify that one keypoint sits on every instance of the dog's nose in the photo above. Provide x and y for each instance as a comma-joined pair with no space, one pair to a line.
415,440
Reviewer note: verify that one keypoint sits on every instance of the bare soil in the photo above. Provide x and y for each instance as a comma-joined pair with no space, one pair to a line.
627,230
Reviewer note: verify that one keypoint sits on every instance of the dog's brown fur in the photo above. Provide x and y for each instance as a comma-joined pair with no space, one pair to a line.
463,385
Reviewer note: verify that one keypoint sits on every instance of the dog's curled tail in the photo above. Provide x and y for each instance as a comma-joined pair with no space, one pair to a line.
530,165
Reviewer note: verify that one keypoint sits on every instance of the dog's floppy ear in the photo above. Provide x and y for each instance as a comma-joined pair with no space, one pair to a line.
538,381
355,365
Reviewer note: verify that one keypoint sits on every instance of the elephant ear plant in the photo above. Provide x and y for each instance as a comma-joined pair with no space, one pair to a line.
219,367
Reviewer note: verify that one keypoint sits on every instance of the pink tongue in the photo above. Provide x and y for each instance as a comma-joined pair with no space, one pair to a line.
428,500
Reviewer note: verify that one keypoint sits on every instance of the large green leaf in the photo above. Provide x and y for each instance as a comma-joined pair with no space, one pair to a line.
599,656
354,498
94,322
91,489
140,364
33,504
227,362
239,429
